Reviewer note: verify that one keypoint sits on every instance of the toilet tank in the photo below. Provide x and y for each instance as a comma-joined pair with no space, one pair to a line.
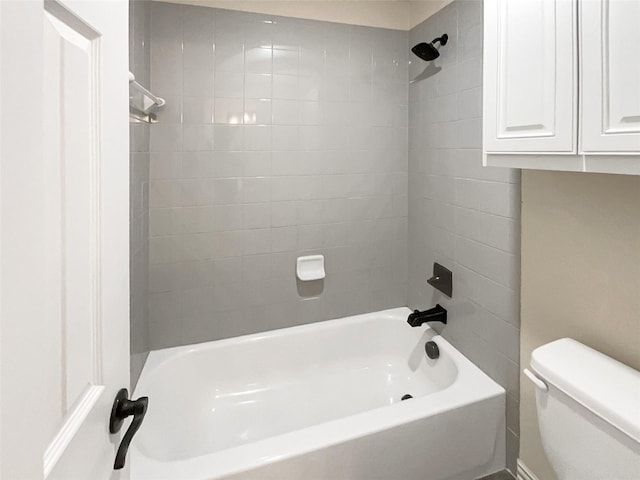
588,412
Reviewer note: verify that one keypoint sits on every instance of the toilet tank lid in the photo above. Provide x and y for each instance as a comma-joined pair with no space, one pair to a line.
603,385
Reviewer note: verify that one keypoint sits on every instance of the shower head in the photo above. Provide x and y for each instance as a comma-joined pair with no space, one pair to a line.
428,51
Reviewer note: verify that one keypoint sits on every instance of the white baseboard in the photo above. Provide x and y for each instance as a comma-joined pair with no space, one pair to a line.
524,473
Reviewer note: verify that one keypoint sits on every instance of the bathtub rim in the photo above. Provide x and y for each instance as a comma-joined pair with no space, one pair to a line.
157,358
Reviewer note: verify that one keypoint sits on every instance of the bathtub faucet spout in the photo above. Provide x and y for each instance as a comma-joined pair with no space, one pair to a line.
435,314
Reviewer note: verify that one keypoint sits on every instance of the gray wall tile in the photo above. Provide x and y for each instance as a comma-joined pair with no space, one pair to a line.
140,165
461,214
272,151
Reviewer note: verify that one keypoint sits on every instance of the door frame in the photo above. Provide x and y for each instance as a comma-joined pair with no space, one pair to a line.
21,225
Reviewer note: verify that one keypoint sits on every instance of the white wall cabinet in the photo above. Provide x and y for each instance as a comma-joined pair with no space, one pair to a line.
610,80
562,85
530,68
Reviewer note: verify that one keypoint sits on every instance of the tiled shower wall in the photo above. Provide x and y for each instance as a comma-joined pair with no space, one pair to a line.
139,64
462,215
281,137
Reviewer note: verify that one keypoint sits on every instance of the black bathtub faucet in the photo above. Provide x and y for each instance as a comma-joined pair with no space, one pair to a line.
435,314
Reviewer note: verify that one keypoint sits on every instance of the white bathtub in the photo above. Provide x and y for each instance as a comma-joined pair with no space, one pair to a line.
319,402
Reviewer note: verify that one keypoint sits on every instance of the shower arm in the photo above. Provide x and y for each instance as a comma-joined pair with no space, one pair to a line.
442,40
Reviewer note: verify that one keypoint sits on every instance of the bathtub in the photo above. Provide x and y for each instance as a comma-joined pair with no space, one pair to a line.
319,402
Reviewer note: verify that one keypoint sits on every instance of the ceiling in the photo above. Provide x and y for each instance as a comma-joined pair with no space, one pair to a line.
395,14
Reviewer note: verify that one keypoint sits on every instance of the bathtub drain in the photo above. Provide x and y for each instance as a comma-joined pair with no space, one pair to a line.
406,397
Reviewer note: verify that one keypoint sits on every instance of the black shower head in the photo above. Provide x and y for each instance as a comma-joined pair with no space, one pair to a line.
428,51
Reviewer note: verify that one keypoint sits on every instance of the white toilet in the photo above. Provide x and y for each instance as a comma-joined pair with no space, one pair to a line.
588,412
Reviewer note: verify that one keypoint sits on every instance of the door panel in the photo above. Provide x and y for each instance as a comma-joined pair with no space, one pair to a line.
610,76
71,132
530,75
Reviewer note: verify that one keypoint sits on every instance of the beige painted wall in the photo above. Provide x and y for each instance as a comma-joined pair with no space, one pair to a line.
394,14
580,276
420,10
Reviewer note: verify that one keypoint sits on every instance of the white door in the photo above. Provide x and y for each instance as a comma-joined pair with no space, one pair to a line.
610,75
64,245
530,75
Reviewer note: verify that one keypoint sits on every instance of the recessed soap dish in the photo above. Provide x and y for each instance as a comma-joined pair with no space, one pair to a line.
310,267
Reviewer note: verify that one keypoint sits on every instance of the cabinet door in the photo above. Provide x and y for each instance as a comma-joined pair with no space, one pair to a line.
610,76
530,76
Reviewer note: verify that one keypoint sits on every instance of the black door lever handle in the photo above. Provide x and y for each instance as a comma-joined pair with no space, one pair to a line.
123,408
